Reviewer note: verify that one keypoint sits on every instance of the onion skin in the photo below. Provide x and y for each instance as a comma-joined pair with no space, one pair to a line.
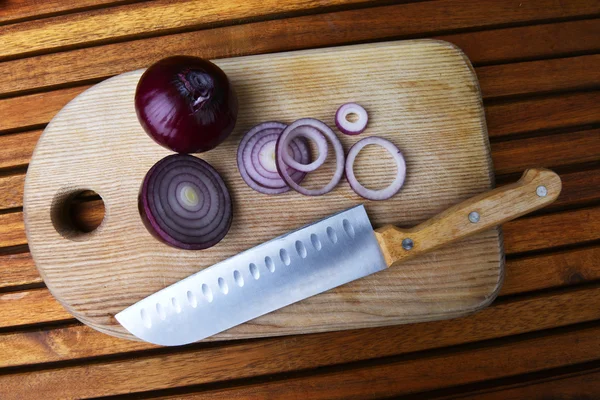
186,104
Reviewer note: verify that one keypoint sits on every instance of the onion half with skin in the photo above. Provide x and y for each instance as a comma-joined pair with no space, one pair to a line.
370,194
184,202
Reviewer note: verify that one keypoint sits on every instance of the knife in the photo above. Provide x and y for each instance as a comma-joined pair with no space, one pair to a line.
316,258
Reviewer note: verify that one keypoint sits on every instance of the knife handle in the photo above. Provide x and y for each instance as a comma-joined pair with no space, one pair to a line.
537,188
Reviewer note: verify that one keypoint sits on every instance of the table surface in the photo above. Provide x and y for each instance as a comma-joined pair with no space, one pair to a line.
538,63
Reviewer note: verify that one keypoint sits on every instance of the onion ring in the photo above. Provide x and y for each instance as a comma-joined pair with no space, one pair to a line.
316,136
337,147
394,187
347,127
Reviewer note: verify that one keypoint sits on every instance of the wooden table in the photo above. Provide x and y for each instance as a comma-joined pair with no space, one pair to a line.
538,63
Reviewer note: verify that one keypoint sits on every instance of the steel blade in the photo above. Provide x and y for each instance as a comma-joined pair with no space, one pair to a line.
292,267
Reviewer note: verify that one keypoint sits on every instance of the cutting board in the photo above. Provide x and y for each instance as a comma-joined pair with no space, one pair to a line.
422,95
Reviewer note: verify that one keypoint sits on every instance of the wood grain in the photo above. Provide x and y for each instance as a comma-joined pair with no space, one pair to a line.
570,73
548,151
18,10
579,385
395,376
563,268
545,231
96,63
12,230
16,149
144,19
11,191
96,297
407,376
558,111
27,307
17,269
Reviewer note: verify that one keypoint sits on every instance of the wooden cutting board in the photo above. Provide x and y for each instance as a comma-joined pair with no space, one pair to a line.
422,95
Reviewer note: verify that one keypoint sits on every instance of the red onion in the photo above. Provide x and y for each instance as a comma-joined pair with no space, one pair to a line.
184,202
282,144
186,104
256,154
313,134
394,187
348,127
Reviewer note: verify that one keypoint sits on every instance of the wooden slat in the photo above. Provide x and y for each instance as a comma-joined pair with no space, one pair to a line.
263,357
18,269
11,191
12,11
438,371
330,29
580,385
16,149
30,307
558,111
152,18
34,110
546,151
578,188
546,231
553,270
12,230
570,73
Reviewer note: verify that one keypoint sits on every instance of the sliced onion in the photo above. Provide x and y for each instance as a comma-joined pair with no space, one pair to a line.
348,127
256,147
282,145
394,187
184,202
313,134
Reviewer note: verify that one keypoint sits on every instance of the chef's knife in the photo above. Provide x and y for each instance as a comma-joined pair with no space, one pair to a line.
316,258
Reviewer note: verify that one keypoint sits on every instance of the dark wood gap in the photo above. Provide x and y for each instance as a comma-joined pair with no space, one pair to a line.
225,23
355,365
18,288
489,101
115,3
550,291
457,392
13,170
544,132
504,179
541,252
23,248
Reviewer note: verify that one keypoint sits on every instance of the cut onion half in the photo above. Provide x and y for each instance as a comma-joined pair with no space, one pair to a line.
184,202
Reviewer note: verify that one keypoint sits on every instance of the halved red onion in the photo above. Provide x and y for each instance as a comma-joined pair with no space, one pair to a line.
394,187
348,127
282,145
256,154
184,202
313,134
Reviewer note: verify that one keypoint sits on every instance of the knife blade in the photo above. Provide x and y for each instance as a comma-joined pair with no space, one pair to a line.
310,260
316,258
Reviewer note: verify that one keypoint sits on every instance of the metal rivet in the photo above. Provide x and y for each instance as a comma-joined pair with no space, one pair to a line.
541,191
474,217
407,244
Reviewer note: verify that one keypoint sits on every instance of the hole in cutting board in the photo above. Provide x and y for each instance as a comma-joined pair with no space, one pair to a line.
77,214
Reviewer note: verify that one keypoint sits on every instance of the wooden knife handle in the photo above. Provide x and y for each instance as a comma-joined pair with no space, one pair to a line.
537,188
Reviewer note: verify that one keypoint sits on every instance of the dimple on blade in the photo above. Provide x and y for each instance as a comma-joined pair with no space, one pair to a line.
287,269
